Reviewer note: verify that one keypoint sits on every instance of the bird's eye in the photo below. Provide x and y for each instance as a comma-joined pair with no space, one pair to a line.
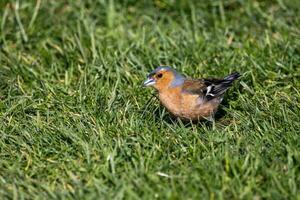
159,75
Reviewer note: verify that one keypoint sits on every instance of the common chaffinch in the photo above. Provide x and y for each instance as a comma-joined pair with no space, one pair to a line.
186,98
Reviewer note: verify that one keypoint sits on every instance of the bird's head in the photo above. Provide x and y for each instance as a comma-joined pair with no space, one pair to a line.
164,77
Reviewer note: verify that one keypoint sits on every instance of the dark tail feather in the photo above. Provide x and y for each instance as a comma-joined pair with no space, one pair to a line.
227,81
218,87
232,77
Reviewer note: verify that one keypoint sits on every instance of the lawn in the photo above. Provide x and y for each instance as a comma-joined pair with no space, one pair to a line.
75,122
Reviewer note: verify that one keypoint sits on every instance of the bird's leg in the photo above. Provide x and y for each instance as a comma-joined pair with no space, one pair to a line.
211,119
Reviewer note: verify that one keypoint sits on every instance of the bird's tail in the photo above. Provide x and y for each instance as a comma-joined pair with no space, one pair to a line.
217,88
230,78
227,81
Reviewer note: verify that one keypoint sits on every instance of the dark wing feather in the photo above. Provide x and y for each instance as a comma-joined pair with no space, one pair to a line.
210,88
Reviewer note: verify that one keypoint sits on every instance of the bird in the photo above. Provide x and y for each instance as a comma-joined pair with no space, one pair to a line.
186,98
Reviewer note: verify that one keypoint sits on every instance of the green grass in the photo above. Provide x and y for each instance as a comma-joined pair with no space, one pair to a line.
75,122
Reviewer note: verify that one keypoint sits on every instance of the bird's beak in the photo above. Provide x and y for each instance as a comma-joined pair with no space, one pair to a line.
149,82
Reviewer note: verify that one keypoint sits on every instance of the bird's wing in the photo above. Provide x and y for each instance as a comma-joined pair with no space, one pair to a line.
209,88
194,86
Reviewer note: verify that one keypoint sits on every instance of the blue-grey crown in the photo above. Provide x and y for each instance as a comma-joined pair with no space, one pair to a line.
160,68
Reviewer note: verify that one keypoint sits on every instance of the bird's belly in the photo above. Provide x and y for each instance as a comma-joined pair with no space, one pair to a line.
189,107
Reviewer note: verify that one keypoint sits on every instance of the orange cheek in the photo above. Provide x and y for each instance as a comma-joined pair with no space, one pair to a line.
165,81
162,83
159,85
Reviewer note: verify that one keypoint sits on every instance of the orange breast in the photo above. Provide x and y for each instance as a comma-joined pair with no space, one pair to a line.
171,99
187,106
